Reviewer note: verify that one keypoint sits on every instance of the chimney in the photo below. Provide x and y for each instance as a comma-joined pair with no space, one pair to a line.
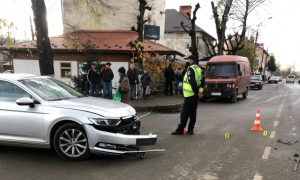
185,10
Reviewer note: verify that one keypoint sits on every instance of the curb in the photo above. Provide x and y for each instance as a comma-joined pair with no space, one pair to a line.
159,108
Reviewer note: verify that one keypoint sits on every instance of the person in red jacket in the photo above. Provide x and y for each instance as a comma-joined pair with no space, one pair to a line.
107,76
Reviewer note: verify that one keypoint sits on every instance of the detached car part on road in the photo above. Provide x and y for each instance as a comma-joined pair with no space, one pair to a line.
227,77
43,112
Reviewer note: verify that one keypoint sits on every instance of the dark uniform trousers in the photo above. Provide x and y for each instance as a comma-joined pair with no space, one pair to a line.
189,110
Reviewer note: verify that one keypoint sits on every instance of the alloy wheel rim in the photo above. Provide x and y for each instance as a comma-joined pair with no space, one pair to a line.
73,142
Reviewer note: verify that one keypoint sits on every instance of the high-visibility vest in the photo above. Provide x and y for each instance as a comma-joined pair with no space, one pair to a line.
187,88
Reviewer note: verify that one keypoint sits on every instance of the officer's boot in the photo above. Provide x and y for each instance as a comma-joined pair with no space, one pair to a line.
190,132
178,131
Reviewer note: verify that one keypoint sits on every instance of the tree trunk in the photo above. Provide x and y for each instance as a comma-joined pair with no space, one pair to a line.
44,49
193,39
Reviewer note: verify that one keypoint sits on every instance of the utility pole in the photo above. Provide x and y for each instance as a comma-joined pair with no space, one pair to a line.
294,68
32,34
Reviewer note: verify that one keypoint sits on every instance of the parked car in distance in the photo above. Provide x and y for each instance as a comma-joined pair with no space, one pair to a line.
46,113
274,79
256,82
227,77
290,78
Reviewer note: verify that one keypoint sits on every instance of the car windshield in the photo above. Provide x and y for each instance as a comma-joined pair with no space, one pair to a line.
273,78
51,89
221,70
255,78
290,76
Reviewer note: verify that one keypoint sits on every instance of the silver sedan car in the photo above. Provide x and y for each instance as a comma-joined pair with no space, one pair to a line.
46,113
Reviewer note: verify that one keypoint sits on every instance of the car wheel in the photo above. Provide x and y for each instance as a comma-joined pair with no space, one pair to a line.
71,143
203,99
276,82
245,94
234,97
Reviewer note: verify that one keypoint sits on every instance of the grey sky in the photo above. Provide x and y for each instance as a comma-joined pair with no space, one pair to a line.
279,35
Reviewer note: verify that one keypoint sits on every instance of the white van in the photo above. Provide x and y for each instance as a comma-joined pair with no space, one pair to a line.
290,78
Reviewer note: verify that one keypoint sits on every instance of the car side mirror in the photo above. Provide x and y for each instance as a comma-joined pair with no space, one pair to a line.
25,102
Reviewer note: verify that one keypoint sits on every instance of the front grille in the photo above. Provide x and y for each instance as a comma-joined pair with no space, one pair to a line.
217,85
124,127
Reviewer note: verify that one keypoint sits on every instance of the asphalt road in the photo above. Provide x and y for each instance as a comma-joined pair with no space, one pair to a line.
205,156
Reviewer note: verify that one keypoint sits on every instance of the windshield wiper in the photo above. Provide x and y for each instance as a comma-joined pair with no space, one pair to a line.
58,99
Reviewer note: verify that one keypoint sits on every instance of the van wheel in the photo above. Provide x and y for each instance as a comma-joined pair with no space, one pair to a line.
245,94
234,97
71,143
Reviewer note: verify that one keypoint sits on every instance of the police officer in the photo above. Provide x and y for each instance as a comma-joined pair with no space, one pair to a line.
192,90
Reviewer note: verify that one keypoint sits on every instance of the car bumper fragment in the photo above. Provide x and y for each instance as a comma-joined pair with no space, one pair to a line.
116,140
98,150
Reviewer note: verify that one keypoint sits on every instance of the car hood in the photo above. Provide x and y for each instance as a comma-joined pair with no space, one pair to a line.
219,80
103,107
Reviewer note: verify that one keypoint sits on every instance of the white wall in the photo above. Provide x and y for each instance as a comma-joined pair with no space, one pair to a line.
121,17
178,41
33,67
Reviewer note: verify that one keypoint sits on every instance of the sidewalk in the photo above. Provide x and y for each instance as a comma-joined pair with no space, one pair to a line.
159,104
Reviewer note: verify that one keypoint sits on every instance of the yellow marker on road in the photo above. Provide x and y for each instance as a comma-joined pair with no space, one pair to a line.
227,136
265,133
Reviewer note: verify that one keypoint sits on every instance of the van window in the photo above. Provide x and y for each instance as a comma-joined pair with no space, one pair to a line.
291,76
221,70
242,66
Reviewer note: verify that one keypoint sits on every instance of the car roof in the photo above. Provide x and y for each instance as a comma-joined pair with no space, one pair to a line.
16,76
228,59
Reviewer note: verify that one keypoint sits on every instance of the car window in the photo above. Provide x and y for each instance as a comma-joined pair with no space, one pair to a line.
10,92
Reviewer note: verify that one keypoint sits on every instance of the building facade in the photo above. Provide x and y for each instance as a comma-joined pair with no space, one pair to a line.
175,36
68,53
121,15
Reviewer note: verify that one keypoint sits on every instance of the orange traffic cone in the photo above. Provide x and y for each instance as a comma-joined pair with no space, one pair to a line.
256,126
185,129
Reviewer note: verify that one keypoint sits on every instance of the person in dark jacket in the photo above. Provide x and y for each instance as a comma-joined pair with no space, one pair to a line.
132,75
124,87
93,78
179,79
169,77
107,76
145,80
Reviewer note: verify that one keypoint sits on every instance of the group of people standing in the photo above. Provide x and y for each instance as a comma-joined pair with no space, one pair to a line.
106,75
176,76
127,83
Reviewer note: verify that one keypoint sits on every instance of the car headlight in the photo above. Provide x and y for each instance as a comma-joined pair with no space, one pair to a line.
205,85
131,110
229,86
105,122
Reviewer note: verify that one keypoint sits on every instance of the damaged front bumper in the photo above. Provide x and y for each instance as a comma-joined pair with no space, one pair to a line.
113,143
